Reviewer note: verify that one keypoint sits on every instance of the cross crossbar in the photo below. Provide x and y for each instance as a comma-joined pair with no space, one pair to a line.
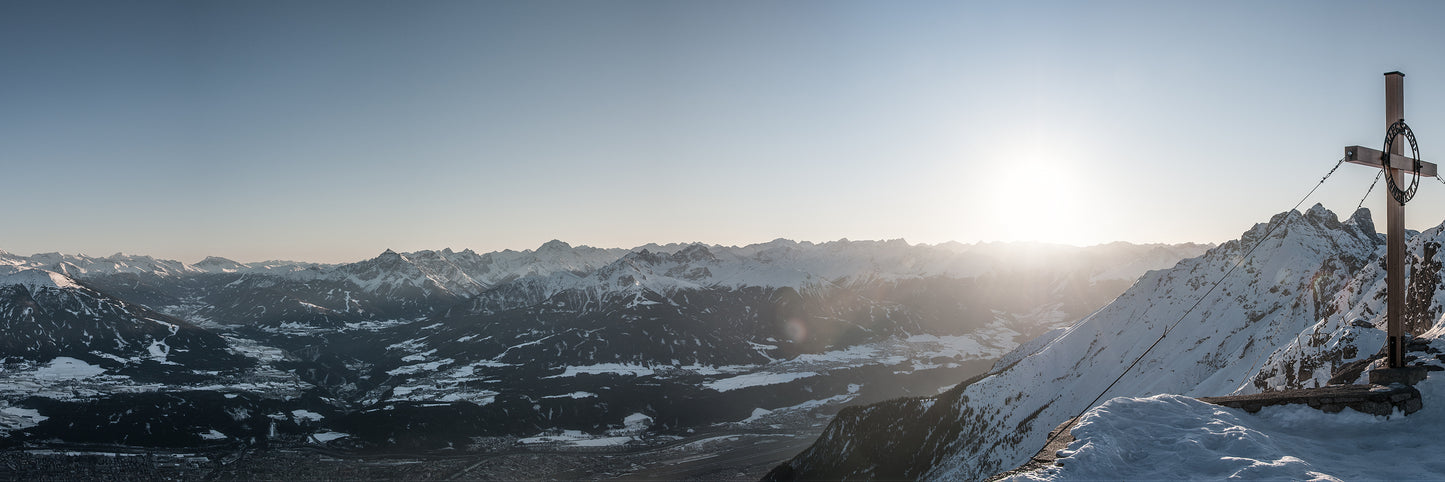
1371,157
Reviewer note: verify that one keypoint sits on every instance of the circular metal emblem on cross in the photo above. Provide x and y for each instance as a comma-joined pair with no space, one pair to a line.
1401,195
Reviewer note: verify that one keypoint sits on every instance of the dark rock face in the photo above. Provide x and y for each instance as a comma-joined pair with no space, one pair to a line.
867,436
41,323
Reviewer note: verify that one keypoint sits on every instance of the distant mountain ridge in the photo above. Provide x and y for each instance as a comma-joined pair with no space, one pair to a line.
689,335
467,272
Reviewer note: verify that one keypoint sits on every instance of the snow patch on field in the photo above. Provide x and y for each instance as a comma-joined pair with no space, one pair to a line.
420,367
306,416
606,368
756,380
442,394
637,422
66,368
324,437
14,418
761,413
574,438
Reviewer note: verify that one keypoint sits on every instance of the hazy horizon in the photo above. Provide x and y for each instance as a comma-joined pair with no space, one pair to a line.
581,245
327,131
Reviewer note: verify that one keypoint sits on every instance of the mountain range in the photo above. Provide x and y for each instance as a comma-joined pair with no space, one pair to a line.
433,349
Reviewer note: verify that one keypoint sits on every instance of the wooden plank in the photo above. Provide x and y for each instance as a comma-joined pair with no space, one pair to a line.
1371,157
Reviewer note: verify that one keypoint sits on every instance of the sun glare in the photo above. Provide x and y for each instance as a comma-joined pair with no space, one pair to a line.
1038,198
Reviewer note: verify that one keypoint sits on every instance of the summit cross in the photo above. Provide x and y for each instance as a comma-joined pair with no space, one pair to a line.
1399,164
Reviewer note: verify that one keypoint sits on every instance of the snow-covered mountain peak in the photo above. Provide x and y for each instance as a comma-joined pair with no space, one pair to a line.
1319,211
36,279
1363,219
7,259
82,265
553,246
696,252
217,264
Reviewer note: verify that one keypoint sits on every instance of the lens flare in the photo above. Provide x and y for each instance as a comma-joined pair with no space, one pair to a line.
796,330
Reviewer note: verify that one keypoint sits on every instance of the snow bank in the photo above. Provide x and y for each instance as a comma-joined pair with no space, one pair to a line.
1177,437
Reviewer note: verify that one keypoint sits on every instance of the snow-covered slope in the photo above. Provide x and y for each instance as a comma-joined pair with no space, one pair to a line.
1127,438
82,265
44,315
1289,442
1350,330
35,280
997,422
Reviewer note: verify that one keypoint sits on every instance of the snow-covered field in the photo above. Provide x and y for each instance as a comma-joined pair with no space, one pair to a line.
17,418
448,383
574,438
66,378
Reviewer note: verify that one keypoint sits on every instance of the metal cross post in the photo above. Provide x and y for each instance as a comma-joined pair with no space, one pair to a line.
1398,164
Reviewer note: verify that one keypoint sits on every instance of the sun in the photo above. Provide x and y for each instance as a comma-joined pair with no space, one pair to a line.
1042,198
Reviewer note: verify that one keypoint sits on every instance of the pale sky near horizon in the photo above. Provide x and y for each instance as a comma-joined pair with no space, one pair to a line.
330,131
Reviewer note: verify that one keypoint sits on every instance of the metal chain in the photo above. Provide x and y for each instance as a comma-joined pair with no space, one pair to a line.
1242,259
1341,162
1372,188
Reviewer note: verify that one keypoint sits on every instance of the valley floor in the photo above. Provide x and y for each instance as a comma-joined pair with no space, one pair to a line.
722,455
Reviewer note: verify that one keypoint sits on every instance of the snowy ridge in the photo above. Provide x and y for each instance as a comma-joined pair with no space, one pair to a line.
557,266
35,279
1352,328
1215,351
808,266
215,264
82,265
996,423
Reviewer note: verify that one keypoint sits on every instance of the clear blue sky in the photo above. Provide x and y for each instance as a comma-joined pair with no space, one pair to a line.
329,131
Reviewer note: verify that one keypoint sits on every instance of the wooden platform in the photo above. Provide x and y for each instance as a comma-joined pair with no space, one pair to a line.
1372,399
